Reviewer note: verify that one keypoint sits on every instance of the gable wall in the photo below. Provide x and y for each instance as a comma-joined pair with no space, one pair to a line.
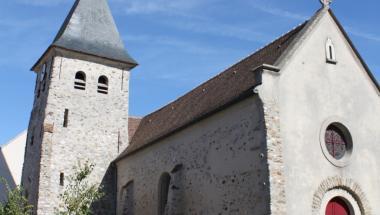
309,92
223,169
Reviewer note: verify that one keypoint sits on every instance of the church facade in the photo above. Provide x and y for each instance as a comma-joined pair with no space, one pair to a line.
291,129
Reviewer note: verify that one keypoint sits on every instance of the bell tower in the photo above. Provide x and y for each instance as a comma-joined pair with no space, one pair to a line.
80,110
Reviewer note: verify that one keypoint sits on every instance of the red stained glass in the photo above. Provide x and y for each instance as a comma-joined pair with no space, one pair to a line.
337,206
335,142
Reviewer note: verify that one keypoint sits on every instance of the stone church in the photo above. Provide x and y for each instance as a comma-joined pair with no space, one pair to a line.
293,128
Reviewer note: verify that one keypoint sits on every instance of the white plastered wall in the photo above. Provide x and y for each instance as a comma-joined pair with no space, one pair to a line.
309,92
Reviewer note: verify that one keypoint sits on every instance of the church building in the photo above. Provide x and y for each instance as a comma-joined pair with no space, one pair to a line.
294,128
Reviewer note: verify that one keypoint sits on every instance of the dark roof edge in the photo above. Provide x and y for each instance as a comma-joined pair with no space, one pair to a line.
66,21
201,116
131,65
355,50
293,46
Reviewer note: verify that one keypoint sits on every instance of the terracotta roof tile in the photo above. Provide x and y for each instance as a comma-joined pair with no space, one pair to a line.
133,124
208,97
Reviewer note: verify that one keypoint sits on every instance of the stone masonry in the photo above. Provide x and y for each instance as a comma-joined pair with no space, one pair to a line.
96,131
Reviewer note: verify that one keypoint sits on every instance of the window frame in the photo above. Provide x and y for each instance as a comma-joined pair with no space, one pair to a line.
330,52
80,82
344,127
103,83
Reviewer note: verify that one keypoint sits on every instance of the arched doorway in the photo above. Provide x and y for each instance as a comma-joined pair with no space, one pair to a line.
337,206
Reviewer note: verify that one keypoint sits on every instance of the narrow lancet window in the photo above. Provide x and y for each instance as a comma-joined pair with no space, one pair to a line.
32,140
43,76
62,179
103,85
80,81
66,118
163,193
330,52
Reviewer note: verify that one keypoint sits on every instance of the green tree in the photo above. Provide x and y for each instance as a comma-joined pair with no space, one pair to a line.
16,203
79,194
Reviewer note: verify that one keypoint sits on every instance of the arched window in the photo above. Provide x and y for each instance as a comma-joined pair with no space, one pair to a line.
103,85
330,52
80,81
163,193
127,198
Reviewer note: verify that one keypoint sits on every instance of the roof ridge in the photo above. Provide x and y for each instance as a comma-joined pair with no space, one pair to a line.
227,68
357,53
269,43
207,98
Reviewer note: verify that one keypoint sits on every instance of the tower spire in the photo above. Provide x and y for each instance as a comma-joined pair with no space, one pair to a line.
90,28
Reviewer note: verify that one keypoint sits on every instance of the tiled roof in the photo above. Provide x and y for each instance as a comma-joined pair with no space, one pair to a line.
133,124
90,28
208,97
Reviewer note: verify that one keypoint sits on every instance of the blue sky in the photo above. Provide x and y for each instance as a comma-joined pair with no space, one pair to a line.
178,43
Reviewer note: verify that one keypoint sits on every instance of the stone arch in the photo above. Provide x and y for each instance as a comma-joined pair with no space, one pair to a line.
339,183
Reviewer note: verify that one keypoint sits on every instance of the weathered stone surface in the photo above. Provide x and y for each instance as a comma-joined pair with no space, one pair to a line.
96,131
223,171
48,128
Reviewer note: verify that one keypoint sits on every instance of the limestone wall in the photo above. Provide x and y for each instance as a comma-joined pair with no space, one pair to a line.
96,129
218,166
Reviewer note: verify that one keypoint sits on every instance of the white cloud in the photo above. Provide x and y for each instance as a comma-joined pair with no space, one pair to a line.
20,24
236,31
277,11
364,35
178,44
167,7
42,2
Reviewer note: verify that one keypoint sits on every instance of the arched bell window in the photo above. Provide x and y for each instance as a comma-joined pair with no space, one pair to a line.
80,81
103,85
330,52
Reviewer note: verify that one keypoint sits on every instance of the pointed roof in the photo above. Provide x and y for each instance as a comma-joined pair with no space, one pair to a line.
90,28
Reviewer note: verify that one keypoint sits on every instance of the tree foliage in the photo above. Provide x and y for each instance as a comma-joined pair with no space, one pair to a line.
79,194
16,203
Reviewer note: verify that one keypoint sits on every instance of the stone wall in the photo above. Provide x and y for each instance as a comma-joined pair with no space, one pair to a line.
33,149
96,130
217,166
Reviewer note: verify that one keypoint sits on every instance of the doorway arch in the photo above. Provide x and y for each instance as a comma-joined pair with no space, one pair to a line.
338,206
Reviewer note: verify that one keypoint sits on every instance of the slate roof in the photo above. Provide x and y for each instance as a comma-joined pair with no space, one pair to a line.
90,28
209,97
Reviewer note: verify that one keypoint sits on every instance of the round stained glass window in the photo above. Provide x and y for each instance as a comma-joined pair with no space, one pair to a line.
336,142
